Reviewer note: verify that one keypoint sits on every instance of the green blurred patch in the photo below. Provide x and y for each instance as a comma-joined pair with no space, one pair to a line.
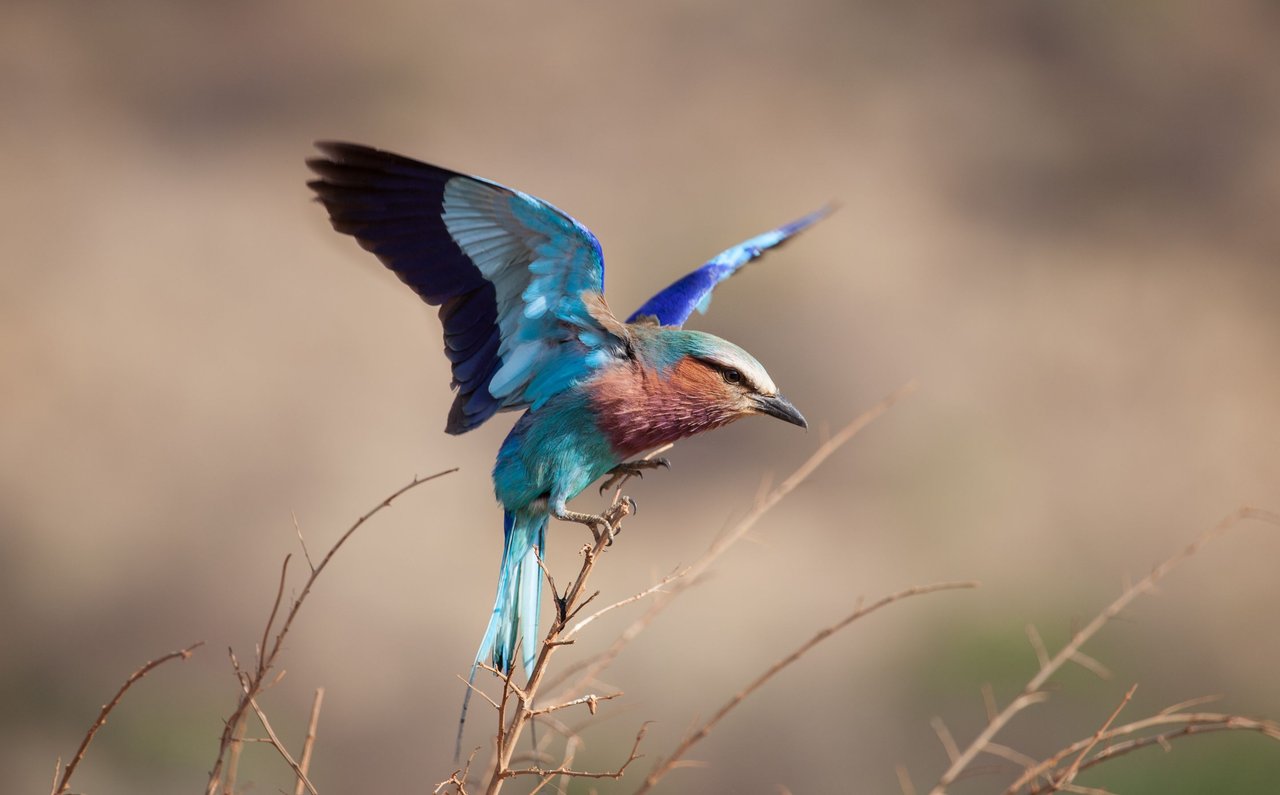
161,730
1223,763
958,657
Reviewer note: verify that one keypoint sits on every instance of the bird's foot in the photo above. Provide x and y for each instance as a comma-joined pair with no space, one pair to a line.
628,468
603,525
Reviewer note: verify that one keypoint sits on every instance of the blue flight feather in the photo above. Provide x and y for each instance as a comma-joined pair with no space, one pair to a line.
508,271
673,305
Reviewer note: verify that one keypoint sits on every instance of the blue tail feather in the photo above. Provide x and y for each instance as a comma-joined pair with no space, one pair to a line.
517,605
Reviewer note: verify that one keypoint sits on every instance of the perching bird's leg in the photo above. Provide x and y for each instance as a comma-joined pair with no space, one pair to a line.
600,524
628,468
594,521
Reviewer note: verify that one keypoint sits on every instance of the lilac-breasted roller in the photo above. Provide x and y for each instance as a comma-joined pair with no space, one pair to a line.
520,289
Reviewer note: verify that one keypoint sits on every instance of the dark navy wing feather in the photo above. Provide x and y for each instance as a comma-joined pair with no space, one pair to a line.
517,281
673,305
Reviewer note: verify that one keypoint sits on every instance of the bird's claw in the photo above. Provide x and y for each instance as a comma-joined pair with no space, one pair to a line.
610,524
628,468
602,525
606,530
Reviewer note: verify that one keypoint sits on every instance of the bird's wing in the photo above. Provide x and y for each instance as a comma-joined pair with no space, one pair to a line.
673,305
517,281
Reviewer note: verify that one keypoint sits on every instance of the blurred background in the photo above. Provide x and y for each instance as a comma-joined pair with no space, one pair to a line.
1059,217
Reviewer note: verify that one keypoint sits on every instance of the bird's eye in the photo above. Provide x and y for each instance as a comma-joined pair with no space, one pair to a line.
733,376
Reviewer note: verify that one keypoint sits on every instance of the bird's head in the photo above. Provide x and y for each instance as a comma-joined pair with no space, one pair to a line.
722,373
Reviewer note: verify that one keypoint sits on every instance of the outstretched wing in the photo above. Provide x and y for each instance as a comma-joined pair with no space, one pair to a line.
517,281
672,306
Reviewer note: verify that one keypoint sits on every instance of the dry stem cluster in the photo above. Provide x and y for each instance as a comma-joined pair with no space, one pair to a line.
547,698
1058,772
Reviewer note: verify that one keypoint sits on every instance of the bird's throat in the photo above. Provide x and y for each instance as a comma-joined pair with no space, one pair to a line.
639,408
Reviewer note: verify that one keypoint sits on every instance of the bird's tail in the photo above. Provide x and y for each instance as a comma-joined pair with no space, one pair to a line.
516,609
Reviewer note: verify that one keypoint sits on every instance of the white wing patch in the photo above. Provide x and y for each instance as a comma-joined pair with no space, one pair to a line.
539,262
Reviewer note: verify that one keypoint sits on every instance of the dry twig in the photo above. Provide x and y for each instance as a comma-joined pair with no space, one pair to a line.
588,670
568,605
664,767
515,706
308,744
457,779
62,786
280,747
1069,776
252,684
1127,738
564,771
1032,692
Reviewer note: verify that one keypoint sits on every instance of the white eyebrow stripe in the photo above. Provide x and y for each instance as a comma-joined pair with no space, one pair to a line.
752,373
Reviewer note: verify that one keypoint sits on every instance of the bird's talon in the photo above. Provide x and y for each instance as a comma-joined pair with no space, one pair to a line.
632,469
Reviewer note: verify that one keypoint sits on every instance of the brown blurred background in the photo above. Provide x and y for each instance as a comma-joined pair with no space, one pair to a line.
1059,217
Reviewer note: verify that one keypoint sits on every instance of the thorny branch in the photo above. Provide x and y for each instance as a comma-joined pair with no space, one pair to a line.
664,767
571,601
564,771
1188,723
253,684
308,745
1032,692
61,786
589,669
280,748
568,604
1070,775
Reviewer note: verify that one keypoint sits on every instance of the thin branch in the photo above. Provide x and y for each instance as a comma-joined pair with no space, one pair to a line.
509,732
233,755
664,767
1031,693
1232,723
1189,723
1091,665
591,700
571,601
271,619
309,743
1037,643
1005,752
302,541
589,669
800,475
458,779
656,587
279,746
904,780
570,752
563,771
147,668
471,686
1074,770
989,701
251,686
1191,702
1079,790
944,737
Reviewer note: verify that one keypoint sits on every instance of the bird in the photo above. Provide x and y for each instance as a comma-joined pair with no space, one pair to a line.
520,289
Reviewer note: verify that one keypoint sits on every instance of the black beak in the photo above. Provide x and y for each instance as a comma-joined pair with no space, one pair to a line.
780,407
